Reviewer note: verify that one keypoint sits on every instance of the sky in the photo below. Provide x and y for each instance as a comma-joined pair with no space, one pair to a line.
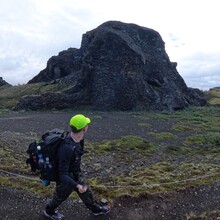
32,31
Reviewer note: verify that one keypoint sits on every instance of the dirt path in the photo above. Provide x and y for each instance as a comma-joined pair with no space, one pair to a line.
16,204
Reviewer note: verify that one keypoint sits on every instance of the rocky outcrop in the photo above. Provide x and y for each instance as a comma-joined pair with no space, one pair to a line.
3,82
119,66
66,63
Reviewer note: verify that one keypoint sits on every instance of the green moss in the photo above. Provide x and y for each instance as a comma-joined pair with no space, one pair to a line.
164,176
144,125
214,214
163,135
195,140
9,160
142,117
9,96
4,111
213,142
174,150
126,144
181,127
34,185
213,96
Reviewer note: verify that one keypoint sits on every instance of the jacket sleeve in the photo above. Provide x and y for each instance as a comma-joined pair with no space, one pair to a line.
65,154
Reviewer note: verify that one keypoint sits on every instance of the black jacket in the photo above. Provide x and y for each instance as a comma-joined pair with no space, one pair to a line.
69,161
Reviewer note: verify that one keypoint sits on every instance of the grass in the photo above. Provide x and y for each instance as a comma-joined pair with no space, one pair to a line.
181,127
160,177
195,140
163,135
144,125
10,95
213,96
126,144
9,160
205,215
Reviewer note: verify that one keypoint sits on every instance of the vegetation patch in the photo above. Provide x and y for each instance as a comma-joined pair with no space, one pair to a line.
213,96
205,215
195,140
182,127
144,125
9,96
141,117
213,139
163,135
125,145
183,152
9,160
33,185
163,176
180,151
208,143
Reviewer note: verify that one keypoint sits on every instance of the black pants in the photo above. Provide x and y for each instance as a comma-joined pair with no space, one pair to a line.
63,191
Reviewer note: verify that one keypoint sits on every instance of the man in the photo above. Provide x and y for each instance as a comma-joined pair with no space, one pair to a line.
69,172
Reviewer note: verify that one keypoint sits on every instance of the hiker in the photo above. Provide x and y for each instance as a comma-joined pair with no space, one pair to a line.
69,173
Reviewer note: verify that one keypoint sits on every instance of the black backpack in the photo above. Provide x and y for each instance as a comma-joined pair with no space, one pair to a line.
43,155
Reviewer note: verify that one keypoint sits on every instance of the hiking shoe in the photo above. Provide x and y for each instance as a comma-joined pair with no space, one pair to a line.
54,215
103,210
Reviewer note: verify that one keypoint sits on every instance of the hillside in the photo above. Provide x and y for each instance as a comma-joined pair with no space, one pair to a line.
10,95
148,165
213,96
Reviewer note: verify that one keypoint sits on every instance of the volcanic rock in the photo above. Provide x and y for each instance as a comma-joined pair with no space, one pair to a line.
119,66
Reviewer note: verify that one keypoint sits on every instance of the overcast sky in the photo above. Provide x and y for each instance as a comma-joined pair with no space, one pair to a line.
34,30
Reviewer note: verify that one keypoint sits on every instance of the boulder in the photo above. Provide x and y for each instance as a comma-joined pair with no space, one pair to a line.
119,66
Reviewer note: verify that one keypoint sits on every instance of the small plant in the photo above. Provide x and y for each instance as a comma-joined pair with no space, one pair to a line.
125,144
195,140
181,127
164,135
144,125
213,141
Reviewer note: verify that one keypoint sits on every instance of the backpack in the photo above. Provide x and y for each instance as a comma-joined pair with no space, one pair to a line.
43,155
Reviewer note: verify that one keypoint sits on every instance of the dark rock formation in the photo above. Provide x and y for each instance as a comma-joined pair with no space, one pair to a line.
3,82
66,63
118,67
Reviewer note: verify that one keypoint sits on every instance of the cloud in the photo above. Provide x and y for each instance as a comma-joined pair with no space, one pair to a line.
33,31
205,82
201,70
29,38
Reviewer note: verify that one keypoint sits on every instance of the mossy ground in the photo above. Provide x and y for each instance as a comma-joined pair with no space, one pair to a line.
186,146
10,95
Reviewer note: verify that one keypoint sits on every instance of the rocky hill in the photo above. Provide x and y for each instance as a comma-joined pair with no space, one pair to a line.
3,82
119,66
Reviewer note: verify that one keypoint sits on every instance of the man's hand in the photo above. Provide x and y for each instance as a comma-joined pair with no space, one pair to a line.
82,188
